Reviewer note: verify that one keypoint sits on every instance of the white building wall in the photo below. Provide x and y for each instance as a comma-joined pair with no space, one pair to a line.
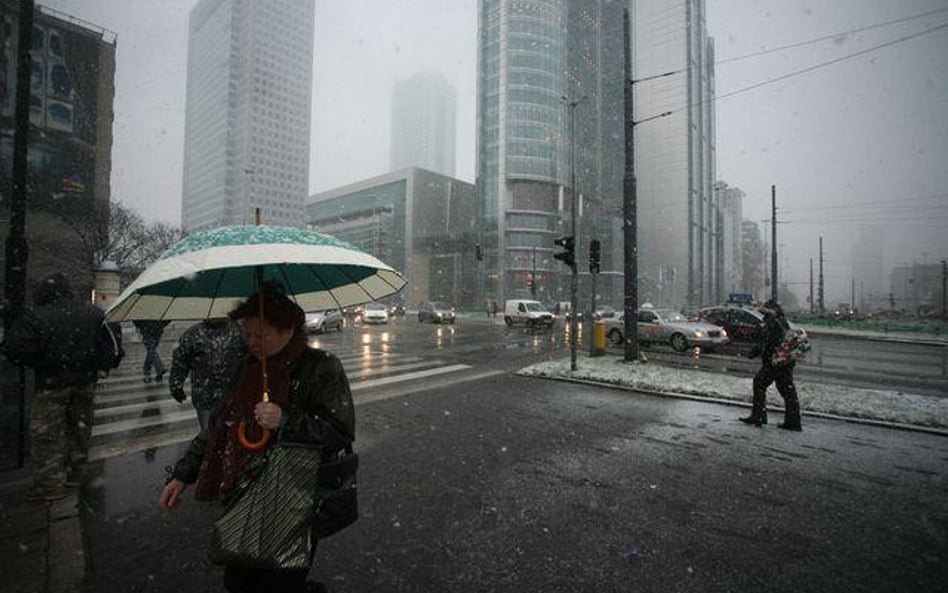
247,112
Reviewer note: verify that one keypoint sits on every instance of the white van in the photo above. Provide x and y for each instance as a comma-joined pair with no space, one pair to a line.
526,312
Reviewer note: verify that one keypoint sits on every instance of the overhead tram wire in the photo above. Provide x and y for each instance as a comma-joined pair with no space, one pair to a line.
831,62
829,37
798,72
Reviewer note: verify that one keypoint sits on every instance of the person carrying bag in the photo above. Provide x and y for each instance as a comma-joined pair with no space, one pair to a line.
279,465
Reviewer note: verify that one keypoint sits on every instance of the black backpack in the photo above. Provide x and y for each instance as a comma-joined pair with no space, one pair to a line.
108,346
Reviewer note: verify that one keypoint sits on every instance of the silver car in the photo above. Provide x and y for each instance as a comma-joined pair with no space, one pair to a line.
667,326
324,321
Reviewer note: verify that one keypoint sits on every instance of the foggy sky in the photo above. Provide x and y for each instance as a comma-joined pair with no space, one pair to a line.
863,142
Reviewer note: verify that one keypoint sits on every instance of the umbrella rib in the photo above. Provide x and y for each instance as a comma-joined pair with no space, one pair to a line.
324,285
217,287
286,282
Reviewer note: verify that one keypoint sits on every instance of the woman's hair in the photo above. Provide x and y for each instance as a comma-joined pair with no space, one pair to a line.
278,309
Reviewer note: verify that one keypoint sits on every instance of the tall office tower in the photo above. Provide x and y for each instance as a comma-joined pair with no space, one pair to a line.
730,201
674,154
424,123
546,69
69,141
247,117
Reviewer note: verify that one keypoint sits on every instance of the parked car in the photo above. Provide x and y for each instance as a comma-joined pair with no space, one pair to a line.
603,312
374,313
527,312
668,326
324,321
743,324
435,312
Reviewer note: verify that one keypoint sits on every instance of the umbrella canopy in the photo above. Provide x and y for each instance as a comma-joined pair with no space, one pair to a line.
208,273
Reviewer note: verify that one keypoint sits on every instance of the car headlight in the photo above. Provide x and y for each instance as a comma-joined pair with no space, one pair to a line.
699,334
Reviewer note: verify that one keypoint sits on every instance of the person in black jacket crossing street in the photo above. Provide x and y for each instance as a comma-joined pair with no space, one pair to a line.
775,327
57,339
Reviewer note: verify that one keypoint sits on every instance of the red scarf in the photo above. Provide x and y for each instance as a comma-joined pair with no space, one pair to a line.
224,458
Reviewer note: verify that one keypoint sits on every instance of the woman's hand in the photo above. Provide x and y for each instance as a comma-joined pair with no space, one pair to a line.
268,414
171,494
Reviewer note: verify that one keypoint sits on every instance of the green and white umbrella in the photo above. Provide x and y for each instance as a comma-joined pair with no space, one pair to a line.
208,273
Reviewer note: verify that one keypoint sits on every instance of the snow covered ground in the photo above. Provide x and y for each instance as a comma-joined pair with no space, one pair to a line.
838,400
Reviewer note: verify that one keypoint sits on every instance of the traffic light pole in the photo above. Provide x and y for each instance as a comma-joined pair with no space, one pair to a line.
574,278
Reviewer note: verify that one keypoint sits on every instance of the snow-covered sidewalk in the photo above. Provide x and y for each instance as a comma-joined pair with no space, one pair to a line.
837,400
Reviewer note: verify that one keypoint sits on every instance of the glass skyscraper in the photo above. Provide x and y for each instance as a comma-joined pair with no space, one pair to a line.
534,58
248,112
424,123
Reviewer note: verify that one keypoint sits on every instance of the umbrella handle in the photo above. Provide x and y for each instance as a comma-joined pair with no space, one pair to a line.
242,432
247,443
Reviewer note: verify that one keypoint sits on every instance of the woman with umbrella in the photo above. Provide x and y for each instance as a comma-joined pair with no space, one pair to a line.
309,402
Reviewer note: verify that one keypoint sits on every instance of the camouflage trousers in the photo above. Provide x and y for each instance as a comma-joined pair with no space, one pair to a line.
60,429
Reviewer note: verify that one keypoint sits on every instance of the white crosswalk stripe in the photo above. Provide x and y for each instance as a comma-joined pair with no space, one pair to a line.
132,416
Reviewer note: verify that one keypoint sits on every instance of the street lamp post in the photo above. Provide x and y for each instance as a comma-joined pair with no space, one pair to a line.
574,279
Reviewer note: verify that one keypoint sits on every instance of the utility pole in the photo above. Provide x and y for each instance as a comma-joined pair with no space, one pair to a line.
630,328
821,293
533,276
944,284
852,295
812,304
773,243
17,250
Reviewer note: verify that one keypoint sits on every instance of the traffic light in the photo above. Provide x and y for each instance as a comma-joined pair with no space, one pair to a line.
594,256
568,256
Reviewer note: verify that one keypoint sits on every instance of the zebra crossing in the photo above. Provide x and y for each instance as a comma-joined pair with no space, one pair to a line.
132,416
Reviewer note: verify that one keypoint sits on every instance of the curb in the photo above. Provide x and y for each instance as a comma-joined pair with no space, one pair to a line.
774,409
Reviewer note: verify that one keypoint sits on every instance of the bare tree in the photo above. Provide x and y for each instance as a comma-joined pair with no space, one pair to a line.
120,235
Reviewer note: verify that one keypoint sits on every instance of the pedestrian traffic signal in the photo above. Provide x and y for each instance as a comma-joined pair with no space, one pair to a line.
594,256
568,256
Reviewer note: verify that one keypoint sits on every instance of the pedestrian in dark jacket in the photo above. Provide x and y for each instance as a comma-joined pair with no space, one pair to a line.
57,339
775,327
315,408
211,352
151,331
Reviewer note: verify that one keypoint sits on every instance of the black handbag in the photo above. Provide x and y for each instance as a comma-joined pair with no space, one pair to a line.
337,493
268,521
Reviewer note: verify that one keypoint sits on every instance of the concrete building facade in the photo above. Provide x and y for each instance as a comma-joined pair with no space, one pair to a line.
424,124
675,153
70,142
247,114
419,222
730,203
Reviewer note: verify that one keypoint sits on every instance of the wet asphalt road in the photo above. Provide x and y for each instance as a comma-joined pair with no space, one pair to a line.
514,484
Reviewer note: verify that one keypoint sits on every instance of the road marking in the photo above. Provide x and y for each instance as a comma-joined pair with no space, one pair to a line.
362,385
127,425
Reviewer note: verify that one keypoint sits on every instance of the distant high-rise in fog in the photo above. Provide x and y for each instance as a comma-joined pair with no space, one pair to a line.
247,114
424,123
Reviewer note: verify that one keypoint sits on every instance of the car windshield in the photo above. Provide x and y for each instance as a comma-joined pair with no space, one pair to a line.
670,316
535,308
439,306
374,307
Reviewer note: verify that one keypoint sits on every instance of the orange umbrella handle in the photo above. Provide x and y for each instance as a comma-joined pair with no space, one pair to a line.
247,443
242,432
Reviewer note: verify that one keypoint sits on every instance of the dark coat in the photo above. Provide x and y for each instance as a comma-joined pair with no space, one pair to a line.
57,337
211,352
151,331
775,328
321,412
